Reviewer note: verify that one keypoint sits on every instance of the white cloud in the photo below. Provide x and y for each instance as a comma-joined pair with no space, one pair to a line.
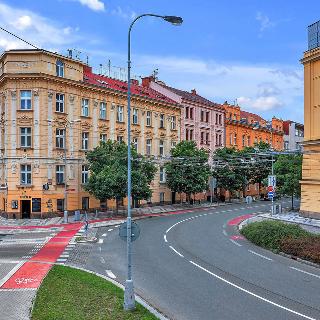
34,28
95,5
265,22
123,13
257,88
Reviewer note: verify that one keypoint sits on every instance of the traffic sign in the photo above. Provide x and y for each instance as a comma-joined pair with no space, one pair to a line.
270,195
270,189
135,231
272,181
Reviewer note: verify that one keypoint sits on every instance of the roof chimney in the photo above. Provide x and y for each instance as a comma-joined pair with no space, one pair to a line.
147,80
194,92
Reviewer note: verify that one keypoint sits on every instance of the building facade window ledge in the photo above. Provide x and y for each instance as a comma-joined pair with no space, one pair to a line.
25,110
61,113
24,148
85,117
24,185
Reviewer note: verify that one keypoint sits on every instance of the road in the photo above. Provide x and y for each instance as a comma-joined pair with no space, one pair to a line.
195,266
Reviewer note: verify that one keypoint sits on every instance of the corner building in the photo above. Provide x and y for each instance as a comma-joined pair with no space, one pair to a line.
53,110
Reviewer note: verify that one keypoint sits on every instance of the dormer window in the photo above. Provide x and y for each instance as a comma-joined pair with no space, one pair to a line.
59,68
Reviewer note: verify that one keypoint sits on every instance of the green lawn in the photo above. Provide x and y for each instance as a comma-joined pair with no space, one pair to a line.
71,294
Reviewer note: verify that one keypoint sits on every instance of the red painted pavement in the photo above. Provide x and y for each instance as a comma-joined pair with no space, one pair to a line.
237,237
238,220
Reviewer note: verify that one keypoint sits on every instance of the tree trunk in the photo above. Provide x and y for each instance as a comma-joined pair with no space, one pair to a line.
292,200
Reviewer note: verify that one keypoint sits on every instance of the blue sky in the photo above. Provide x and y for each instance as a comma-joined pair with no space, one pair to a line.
243,50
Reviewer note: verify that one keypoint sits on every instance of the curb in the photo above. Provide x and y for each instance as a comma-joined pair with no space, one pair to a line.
139,299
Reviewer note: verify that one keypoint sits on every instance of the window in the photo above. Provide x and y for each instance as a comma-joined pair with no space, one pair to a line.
207,116
25,170
25,100
36,204
173,144
103,110
149,118
59,102
243,140
217,117
25,137
187,112
190,134
249,141
85,108
191,113
161,148
103,137
286,145
202,137
220,119
60,138
85,203
161,120
220,139
162,175
59,68
135,143
187,134
235,139
235,116
135,116
119,139
84,174
148,146
60,204
202,115
207,138
85,140
59,174
161,197
231,139
173,122
120,114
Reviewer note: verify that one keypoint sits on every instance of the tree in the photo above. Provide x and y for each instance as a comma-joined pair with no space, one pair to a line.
108,172
188,171
288,169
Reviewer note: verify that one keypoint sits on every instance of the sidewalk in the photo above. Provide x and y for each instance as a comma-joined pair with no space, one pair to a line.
104,216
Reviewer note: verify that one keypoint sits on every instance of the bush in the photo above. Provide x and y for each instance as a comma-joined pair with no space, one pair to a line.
269,234
304,248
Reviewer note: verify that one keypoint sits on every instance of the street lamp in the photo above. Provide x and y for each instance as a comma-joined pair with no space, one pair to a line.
129,300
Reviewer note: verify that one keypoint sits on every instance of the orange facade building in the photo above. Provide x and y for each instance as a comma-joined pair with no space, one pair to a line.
245,129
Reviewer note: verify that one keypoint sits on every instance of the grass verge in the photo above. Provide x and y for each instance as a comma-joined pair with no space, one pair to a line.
71,294
288,238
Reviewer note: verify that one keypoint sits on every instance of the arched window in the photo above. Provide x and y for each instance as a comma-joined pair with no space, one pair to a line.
59,68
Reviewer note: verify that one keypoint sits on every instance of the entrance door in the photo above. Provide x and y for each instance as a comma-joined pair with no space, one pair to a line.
26,209
173,196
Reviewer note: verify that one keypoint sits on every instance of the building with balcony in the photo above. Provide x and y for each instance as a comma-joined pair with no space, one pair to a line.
293,135
53,110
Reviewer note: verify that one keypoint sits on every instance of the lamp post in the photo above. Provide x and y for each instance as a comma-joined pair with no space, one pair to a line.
129,300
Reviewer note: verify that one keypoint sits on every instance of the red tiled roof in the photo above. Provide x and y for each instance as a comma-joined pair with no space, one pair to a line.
245,114
136,89
194,97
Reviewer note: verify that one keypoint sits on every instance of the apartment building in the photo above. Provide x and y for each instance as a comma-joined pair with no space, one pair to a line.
53,110
293,135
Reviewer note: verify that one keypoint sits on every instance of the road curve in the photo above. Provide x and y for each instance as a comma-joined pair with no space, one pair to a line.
196,266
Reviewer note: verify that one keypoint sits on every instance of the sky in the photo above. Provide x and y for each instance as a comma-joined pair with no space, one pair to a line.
243,51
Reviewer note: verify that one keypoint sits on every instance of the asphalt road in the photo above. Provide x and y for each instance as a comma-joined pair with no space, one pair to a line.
194,266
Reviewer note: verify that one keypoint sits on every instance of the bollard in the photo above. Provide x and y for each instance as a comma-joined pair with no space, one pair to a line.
77,215
65,216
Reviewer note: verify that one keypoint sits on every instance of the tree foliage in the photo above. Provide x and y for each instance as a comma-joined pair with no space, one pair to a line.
108,172
188,171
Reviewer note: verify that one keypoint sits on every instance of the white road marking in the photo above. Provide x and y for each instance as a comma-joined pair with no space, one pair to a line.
224,232
309,273
260,255
116,226
165,238
100,249
100,241
104,235
251,293
236,243
12,271
110,274
61,260
11,261
110,230
64,256
178,253
102,260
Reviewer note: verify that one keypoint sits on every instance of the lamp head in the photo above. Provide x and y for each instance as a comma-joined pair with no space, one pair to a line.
176,21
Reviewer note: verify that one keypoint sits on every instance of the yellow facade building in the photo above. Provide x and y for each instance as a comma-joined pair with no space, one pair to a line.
310,183
53,110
